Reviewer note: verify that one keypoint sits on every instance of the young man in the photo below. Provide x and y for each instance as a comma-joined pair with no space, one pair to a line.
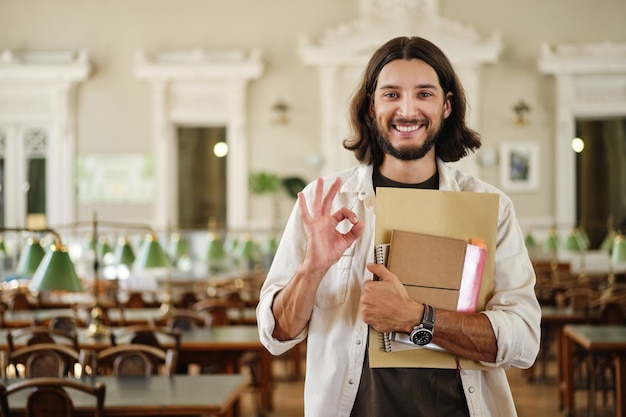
408,121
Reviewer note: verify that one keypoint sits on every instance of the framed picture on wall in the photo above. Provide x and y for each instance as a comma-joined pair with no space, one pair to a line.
519,166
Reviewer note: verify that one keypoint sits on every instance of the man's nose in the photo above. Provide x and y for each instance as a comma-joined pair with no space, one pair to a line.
407,106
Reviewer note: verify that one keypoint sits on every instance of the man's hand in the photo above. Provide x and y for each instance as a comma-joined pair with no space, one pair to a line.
325,244
386,305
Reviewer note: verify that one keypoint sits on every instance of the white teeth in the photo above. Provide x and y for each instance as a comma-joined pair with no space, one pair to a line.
407,128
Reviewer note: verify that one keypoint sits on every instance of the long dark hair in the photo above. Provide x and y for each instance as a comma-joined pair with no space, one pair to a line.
455,139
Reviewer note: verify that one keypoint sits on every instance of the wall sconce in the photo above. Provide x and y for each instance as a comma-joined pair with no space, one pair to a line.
521,109
280,109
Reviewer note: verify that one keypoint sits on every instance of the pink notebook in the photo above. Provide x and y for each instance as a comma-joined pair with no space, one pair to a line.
475,257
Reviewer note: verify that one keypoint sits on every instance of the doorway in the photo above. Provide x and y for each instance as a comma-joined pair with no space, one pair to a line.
202,177
601,176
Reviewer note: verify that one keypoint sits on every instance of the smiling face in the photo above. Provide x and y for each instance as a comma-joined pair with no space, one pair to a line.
409,107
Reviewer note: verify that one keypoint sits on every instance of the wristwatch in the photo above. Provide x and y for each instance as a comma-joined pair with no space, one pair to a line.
422,334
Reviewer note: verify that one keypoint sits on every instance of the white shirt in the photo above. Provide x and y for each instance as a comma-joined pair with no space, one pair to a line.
337,337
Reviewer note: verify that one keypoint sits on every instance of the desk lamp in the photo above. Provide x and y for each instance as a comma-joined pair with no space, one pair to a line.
3,247
104,250
551,246
56,272
152,256
577,241
618,255
124,254
30,258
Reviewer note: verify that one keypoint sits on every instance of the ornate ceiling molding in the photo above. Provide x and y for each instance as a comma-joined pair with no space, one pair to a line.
46,66
198,64
353,42
586,58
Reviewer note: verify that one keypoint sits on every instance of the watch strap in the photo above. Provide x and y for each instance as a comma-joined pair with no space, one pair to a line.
428,321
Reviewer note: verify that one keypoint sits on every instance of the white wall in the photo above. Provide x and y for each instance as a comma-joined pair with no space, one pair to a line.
114,108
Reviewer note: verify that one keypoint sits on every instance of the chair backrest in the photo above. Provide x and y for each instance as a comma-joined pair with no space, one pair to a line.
580,298
186,300
146,335
186,320
27,336
218,309
40,360
19,302
48,396
130,360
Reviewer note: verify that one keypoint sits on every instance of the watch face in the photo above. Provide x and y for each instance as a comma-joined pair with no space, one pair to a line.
421,337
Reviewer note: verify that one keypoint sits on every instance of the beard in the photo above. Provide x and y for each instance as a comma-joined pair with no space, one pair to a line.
411,152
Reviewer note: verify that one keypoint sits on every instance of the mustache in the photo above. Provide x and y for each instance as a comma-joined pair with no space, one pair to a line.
404,120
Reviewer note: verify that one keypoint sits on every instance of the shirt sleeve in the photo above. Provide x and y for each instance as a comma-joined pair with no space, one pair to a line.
513,310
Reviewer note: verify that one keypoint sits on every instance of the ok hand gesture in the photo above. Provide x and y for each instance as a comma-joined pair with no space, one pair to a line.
325,244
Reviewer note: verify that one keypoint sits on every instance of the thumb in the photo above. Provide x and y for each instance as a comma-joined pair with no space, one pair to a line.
380,271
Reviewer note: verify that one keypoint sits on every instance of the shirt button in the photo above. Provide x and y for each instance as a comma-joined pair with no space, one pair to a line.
358,342
351,381
471,390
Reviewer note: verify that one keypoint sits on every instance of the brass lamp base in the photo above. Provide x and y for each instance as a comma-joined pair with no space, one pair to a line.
96,328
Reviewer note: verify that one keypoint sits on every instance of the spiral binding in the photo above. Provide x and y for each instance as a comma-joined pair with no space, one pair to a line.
380,253
380,257
385,342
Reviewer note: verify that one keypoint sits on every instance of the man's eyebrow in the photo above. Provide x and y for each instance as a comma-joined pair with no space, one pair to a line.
393,86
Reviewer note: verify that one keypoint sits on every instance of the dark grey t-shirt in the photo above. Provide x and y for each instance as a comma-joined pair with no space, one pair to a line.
405,392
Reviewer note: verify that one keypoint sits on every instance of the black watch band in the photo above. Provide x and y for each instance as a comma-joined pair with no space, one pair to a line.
429,317
422,334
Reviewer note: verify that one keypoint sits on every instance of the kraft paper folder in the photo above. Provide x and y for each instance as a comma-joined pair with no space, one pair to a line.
462,215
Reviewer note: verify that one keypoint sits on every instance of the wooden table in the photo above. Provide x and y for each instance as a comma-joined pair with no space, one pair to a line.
180,395
593,338
553,319
222,346
116,316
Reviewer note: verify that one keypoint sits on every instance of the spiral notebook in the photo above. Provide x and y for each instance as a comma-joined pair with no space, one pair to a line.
445,271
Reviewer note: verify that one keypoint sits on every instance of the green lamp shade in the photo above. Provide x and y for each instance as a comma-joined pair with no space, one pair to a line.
247,250
529,241
103,248
552,242
31,257
91,243
583,239
56,272
619,250
3,248
572,242
607,243
577,241
178,247
215,249
124,254
151,255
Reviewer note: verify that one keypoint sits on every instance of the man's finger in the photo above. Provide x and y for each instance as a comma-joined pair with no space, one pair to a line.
330,195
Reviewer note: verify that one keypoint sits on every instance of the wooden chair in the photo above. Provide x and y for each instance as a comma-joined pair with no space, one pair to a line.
130,360
186,300
147,335
39,360
49,398
27,336
186,320
218,309
578,298
64,323
20,301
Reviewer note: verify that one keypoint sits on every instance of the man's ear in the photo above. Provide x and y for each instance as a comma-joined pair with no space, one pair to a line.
371,107
447,105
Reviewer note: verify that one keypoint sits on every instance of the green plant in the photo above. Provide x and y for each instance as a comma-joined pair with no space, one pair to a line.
270,183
